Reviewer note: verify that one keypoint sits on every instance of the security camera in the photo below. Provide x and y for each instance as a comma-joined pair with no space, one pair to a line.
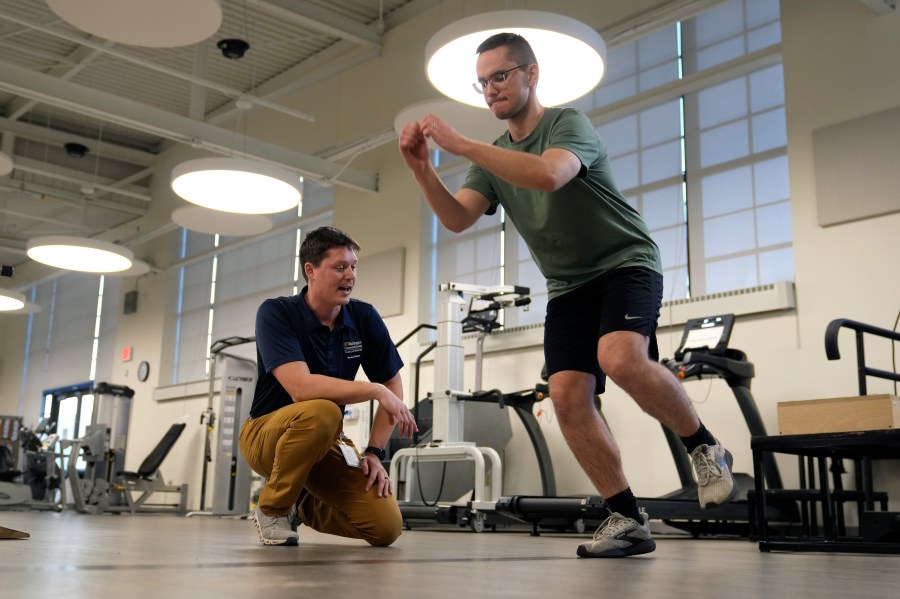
75,150
6,270
233,48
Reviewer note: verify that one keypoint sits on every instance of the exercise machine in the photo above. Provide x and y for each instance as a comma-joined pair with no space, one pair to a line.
30,475
224,470
96,489
148,480
92,423
94,461
464,497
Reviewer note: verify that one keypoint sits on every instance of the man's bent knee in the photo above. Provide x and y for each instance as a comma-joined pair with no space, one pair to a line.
384,523
322,409
571,394
385,534
322,416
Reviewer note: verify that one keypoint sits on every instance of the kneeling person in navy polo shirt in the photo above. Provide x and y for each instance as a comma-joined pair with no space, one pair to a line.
309,349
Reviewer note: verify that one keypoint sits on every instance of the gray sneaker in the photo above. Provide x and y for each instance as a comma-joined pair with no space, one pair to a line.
712,469
274,530
619,536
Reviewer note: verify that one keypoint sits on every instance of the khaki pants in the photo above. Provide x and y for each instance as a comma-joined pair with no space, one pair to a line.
296,448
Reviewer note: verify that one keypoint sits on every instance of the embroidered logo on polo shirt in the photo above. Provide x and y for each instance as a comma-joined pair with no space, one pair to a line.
352,349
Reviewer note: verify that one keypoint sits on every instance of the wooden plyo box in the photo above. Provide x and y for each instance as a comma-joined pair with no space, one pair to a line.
839,415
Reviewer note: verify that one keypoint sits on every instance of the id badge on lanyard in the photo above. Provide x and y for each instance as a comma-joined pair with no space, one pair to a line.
349,452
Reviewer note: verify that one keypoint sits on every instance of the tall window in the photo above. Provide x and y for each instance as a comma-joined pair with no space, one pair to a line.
692,116
646,152
70,341
739,188
221,281
489,253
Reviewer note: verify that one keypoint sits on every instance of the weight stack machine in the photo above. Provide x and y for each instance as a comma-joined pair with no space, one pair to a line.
225,472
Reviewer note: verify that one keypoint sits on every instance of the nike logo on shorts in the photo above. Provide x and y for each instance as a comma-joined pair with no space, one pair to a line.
628,317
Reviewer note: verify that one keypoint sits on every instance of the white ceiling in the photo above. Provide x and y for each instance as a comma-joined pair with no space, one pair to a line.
59,85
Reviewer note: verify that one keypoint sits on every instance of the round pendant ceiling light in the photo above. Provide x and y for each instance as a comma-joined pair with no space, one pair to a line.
11,300
138,267
216,222
571,55
6,164
79,254
156,24
236,185
467,120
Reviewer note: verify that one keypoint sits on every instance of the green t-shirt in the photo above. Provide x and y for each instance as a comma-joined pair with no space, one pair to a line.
583,229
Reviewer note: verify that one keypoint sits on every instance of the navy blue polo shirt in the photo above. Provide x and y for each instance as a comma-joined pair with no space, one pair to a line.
288,331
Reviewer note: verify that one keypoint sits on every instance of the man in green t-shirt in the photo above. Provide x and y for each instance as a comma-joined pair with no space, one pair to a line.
551,174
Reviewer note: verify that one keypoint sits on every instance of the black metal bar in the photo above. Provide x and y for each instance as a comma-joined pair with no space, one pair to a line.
827,505
416,387
833,353
413,332
759,474
861,363
882,374
813,512
831,334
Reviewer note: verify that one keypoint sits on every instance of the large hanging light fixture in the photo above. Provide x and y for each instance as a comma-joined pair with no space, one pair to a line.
6,164
571,55
79,253
236,185
467,120
11,300
216,222
157,24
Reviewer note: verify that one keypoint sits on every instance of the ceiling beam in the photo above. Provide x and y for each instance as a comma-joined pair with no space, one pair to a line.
142,117
334,60
43,219
73,64
55,137
82,179
321,19
148,64
65,198
331,61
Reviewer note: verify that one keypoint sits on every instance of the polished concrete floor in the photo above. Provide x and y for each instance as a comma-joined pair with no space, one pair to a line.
136,556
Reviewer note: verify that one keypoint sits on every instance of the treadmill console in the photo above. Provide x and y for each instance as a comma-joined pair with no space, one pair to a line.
704,351
709,334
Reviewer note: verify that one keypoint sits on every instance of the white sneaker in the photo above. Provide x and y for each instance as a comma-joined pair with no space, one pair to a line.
712,471
274,530
619,536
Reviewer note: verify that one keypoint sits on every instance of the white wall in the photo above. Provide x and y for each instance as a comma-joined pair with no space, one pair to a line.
839,65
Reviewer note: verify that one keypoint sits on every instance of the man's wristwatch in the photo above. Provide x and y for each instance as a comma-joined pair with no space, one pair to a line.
381,453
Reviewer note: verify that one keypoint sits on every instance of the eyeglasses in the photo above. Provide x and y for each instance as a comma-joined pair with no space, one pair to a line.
497,79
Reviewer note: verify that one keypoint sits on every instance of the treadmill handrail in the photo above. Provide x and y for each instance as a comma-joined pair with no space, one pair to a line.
741,369
833,353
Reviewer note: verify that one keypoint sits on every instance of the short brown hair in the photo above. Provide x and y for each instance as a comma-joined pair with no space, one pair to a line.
517,47
319,241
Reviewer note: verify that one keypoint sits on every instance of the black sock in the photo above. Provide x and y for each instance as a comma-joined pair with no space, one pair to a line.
701,437
624,503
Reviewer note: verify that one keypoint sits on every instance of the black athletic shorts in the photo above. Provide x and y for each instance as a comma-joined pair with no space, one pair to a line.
623,299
